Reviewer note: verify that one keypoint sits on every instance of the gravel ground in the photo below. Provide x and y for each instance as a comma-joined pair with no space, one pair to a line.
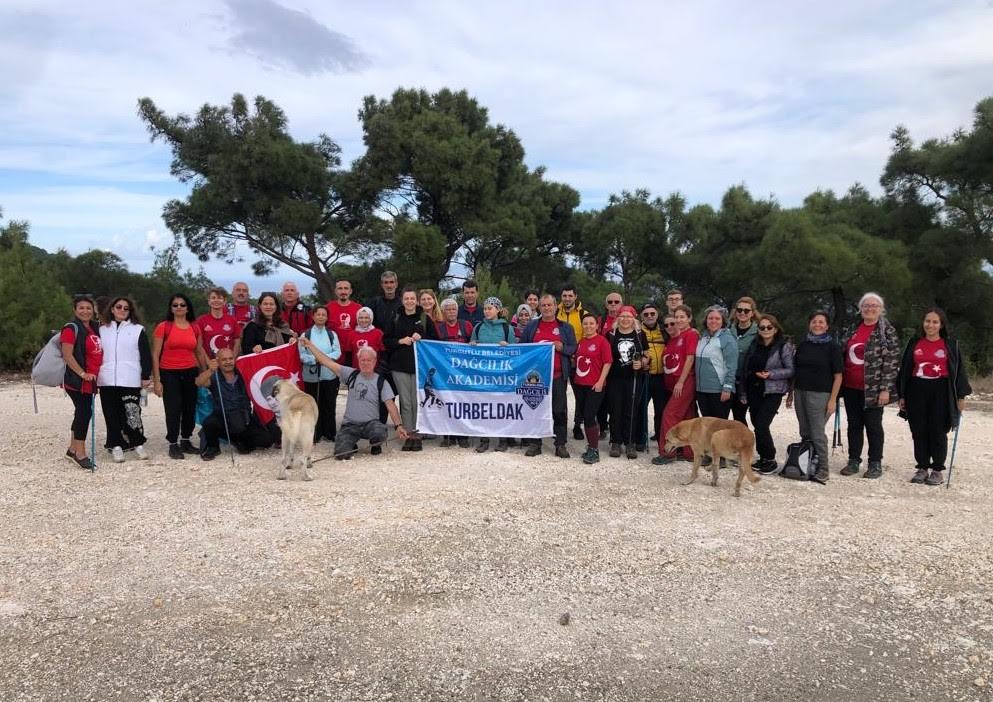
447,575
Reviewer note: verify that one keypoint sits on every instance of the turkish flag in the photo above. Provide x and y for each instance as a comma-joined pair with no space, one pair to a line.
257,368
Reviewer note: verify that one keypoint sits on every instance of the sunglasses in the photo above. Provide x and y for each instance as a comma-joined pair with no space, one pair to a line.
765,328
177,305
613,302
742,310
649,314
123,308
670,324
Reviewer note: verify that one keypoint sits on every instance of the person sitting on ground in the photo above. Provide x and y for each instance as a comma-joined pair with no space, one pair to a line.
233,417
366,390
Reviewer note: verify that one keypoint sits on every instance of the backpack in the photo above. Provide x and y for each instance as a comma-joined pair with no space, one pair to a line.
49,367
507,331
801,461
380,381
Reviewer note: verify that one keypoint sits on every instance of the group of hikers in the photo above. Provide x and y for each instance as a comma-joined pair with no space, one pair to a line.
736,363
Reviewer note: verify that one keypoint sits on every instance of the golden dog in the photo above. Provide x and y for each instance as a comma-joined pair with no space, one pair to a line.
716,438
297,420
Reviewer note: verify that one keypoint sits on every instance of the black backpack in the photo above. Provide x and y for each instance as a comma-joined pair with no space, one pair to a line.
801,461
380,381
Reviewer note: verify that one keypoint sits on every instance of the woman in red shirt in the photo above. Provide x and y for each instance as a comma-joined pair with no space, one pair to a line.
933,386
593,358
177,359
83,355
680,381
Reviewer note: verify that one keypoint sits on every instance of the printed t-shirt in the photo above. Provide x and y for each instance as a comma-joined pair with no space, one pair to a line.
342,318
931,359
362,404
94,354
373,338
217,333
854,373
591,356
549,331
179,347
626,348
677,352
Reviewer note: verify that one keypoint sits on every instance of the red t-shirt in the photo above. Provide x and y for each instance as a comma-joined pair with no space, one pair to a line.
179,347
854,374
591,356
342,318
677,352
241,313
373,338
549,331
458,332
931,359
607,324
217,333
94,354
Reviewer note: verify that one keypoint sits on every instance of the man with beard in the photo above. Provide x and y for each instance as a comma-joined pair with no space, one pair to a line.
342,313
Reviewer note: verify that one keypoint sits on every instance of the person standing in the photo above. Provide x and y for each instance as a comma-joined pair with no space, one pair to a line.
469,309
746,330
240,306
816,384
429,303
521,319
386,305
494,329
933,385
409,326
453,330
625,384
716,364
342,313
365,333
612,302
868,384
267,330
547,329
177,359
655,332
125,371
673,300
82,350
295,313
593,358
218,329
570,310
680,380
318,380
767,377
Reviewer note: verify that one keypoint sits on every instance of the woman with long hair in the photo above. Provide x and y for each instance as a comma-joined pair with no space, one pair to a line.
83,354
626,382
816,383
933,386
409,326
177,359
716,364
126,370
267,330
680,380
767,374
868,383
429,303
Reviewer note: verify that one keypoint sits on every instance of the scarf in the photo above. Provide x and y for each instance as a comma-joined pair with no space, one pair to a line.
274,334
819,338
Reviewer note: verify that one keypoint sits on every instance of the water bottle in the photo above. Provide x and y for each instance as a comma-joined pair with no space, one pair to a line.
144,397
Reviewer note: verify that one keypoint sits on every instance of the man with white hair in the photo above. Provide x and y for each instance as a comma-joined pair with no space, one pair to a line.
366,389
295,313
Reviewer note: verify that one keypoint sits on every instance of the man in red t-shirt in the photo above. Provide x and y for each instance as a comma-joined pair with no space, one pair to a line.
240,308
296,314
218,329
342,313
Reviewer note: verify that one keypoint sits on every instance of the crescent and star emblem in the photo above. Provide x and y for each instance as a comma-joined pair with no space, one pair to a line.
856,354
580,371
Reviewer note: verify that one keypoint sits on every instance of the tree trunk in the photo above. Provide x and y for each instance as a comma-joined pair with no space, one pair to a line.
838,301
325,286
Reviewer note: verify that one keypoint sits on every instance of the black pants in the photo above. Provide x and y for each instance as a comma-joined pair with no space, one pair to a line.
179,397
82,414
252,436
862,419
711,405
656,393
763,409
739,410
624,395
560,412
577,414
927,413
325,393
122,413
587,404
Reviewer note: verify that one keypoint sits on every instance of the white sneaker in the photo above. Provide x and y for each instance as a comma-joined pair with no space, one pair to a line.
118,454
141,452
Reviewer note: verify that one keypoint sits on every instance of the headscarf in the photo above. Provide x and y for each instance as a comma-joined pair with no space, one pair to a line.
494,301
372,317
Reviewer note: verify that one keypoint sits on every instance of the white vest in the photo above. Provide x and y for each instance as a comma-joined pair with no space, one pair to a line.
121,365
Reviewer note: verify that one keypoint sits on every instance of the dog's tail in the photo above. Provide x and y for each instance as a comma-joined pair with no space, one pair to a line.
746,457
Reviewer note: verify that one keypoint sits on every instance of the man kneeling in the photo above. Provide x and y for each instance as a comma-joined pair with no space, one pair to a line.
244,428
366,389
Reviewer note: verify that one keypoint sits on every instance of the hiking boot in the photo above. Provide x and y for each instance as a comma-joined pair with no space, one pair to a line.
852,467
562,452
376,450
418,445
533,450
615,450
937,477
117,453
140,452
512,443
484,446
630,451
501,445
463,441
186,446
577,432
175,452
408,445
875,470
920,476
210,453
591,456
346,457
641,448
663,460
446,442
821,475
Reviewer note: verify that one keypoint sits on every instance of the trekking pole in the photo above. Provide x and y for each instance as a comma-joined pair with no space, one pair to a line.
951,463
385,441
93,432
224,416
836,439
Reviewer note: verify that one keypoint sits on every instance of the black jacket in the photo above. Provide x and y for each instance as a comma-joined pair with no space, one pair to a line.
958,378
403,325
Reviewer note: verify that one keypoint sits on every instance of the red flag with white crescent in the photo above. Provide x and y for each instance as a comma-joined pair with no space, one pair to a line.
280,362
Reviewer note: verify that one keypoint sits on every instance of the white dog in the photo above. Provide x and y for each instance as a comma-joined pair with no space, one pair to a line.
297,420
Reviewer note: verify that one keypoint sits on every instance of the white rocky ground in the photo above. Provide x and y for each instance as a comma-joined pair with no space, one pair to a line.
448,575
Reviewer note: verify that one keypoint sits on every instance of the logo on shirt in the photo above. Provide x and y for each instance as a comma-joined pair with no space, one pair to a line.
856,354
345,320
666,367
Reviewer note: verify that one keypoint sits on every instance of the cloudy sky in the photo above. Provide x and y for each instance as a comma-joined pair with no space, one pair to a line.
786,97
